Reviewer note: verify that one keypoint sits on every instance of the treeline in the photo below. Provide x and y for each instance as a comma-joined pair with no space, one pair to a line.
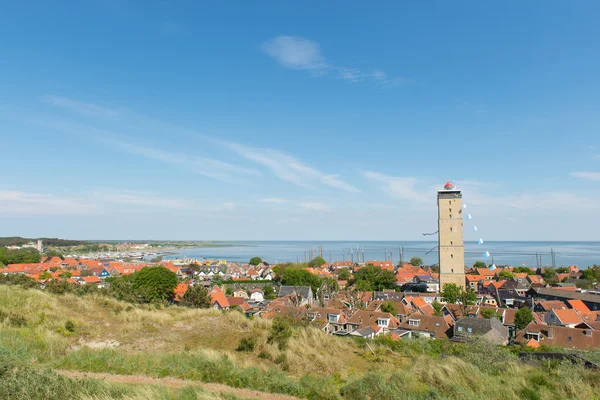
149,285
19,241
20,256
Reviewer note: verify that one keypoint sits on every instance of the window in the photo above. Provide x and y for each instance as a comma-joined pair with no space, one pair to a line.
333,318
450,210
460,329
413,322
451,255
437,324
450,229
451,243
450,215
570,338
469,330
382,322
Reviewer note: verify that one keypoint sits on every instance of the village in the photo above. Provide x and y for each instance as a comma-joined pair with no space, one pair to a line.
561,314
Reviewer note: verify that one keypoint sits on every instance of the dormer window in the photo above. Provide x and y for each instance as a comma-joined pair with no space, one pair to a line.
383,321
333,318
413,322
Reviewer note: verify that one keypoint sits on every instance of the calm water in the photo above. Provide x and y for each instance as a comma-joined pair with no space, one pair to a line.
582,254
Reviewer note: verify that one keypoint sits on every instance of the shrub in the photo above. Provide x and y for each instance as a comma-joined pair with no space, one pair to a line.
246,344
280,333
70,326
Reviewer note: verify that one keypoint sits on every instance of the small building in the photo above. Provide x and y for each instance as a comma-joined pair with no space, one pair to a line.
257,295
491,329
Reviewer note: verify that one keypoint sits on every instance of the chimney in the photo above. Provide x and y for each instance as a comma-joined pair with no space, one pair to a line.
550,332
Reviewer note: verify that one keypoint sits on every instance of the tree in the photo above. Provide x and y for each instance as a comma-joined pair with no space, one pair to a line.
416,261
437,308
45,276
523,317
280,333
520,270
269,292
488,313
154,284
389,307
229,291
86,272
479,264
294,276
562,270
66,275
344,274
196,296
372,278
548,274
506,274
316,262
255,261
451,292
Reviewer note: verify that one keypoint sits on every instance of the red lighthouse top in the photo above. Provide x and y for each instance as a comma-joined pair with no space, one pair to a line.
448,186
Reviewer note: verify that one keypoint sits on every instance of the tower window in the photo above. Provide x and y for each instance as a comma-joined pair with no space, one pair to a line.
451,243
450,210
451,255
450,215
450,229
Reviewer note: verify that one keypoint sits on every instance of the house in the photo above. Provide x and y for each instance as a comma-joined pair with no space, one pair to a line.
388,265
218,299
568,318
545,306
591,301
368,332
550,335
536,280
179,292
301,294
473,281
89,280
257,295
428,326
363,319
240,293
490,329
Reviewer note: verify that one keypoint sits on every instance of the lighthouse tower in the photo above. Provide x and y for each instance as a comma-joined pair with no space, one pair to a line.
450,236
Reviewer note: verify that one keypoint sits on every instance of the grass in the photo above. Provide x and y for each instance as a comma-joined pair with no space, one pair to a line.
199,345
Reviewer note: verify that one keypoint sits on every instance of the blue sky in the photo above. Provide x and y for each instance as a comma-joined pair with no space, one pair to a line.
299,121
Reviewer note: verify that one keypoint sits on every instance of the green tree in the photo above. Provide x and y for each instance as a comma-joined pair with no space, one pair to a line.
255,261
416,261
389,307
295,276
479,264
45,276
506,274
19,256
121,288
549,274
488,313
451,293
196,296
344,274
316,262
520,270
229,291
372,278
66,275
85,272
54,253
523,317
154,284
437,308
269,292
562,270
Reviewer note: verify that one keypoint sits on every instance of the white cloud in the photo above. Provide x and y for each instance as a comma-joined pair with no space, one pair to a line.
142,199
17,202
303,54
275,200
88,109
315,206
295,52
288,168
397,187
228,205
589,176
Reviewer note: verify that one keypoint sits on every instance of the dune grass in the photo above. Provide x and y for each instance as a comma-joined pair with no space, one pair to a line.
199,345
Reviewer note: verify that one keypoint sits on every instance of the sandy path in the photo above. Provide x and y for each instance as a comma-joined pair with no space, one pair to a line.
177,383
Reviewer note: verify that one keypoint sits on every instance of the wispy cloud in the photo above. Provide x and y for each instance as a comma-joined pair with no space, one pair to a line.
144,199
397,187
275,200
289,168
303,54
315,206
17,203
91,110
589,176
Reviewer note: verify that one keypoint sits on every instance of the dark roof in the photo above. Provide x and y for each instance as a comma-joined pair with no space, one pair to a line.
591,298
479,326
304,291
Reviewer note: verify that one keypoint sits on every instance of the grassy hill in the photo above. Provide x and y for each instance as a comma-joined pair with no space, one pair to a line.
47,341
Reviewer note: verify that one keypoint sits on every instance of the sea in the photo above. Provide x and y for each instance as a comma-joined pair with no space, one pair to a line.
531,254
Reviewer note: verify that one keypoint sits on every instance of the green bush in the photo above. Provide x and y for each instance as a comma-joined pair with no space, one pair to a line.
280,333
246,344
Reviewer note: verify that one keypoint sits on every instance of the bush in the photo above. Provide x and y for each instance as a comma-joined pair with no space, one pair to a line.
246,344
70,326
280,333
